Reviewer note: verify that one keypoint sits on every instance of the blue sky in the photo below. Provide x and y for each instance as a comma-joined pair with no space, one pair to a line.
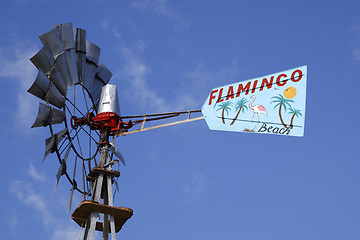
187,182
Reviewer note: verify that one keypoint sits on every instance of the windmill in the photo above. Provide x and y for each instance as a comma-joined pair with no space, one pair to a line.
83,115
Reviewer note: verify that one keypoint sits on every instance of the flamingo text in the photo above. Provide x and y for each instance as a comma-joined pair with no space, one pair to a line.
280,80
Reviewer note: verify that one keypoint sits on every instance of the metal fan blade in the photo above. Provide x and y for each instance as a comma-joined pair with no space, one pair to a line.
48,115
72,65
74,186
117,153
52,142
102,77
61,171
117,186
103,73
80,46
81,65
57,78
67,35
92,52
62,62
45,90
53,40
89,76
44,59
54,97
71,195
95,89
40,86
80,40
67,152
62,168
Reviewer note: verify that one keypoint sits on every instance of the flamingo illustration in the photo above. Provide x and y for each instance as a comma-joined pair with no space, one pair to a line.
258,109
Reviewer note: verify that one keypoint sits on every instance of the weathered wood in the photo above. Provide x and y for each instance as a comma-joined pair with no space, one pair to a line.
98,170
84,210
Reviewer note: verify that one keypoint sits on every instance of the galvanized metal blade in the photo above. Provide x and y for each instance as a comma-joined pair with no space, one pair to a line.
95,90
67,152
53,40
80,47
72,65
117,153
48,115
45,90
74,186
88,81
117,186
67,35
52,142
80,40
81,65
44,59
57,78
92,52
62,62
103,73
102,77
61,171
54,97
62,168
40,86
57,116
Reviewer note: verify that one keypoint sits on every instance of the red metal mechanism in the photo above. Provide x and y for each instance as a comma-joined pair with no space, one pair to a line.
101,122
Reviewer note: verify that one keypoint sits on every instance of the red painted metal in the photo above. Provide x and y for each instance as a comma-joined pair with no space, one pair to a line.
101,122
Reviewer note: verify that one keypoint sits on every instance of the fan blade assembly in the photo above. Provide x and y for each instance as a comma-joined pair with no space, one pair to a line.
74,186
53,40
67,58
117,153
52,142
48,115
43,60
62,168
45,90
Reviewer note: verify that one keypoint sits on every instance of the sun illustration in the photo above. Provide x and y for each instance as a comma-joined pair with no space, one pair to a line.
290,92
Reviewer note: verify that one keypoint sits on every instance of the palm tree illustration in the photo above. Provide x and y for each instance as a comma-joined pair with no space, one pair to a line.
225,107
295,113
281,102
239,106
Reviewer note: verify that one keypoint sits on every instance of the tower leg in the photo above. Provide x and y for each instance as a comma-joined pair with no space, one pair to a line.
111,203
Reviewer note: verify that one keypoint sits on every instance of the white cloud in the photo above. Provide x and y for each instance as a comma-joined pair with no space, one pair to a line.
67,231
35,174
33,196
160,7
105,24
15,66
14,222
356,54
135,71
356,49
195,85
196,187
27,194
192,93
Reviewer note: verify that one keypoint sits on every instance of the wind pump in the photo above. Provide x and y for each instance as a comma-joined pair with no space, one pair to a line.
83,115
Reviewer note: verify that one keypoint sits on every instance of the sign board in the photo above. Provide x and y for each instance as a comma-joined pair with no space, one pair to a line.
272,104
